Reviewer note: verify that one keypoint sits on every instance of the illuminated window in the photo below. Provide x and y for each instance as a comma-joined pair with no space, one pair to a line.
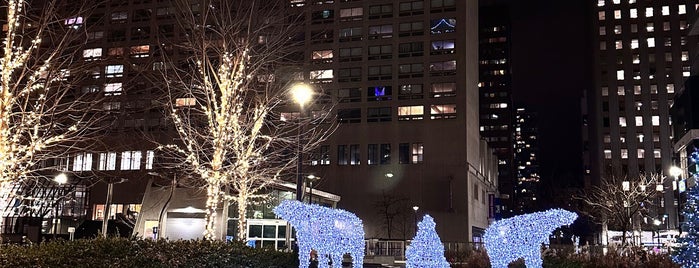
442,46
116,51
342,155
354,13
442,111
617,14
415,112
74,22
600,3
379,93
637,90
115,70
444,25
620,74
685,56
617,29
92,53
649,12
601,15
112,89
131,160
150,157
183,102
324,56
640,153
651,42
381,31
655,120
624,153
444,66
82,162
439,90
605,91
354,154
416,150
622,121
650,27
633,13
639,121
321,74
656,153
634,43
410,91
289,116
670,88
107,161
618,44
665,10
608,154
111,106
141,51
119,17
681,9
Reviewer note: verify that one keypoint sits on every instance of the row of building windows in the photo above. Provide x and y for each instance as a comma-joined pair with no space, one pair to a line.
648,43
384,72
637,90
128,160
377,154
648,12
385,92
640,153
640,136
407,8
382,52
649,28
621,74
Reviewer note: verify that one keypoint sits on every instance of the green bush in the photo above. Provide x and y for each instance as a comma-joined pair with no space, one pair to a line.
121,252
566,258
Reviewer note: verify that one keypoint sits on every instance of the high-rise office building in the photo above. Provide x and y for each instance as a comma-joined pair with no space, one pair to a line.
526,191
404,74
495,86
641,56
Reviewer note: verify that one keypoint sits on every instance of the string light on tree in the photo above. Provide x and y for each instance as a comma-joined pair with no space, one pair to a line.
687,253
426,250
521,236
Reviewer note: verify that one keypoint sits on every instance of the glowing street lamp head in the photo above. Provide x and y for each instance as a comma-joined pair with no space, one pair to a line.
675,171
61,178
302,93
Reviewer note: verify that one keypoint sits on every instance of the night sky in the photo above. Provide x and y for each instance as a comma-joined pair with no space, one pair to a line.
551,68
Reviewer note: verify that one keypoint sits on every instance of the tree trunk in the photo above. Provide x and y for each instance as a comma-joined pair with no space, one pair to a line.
242,211
213,197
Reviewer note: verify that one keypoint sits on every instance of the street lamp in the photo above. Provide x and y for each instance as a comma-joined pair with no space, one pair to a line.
108,204
60,179
415,208
677,172
302,94
311,178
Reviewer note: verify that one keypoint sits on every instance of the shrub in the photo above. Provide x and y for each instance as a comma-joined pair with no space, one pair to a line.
121,252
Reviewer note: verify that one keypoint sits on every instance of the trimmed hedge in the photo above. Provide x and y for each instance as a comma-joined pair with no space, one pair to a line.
122,252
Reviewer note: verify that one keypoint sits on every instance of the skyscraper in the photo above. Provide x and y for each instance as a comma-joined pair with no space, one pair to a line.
405,76
526,189
495,86
641,55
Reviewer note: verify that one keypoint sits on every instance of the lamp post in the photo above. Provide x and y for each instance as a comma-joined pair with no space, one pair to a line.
60,179
676,172
415,208
311,178
657,223
302,94
626,186
108,204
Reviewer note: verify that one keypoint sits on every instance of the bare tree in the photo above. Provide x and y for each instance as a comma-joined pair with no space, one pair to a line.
225,101
616,202
44,114
392,209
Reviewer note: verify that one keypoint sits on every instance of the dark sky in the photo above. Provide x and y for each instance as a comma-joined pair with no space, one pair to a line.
550,57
